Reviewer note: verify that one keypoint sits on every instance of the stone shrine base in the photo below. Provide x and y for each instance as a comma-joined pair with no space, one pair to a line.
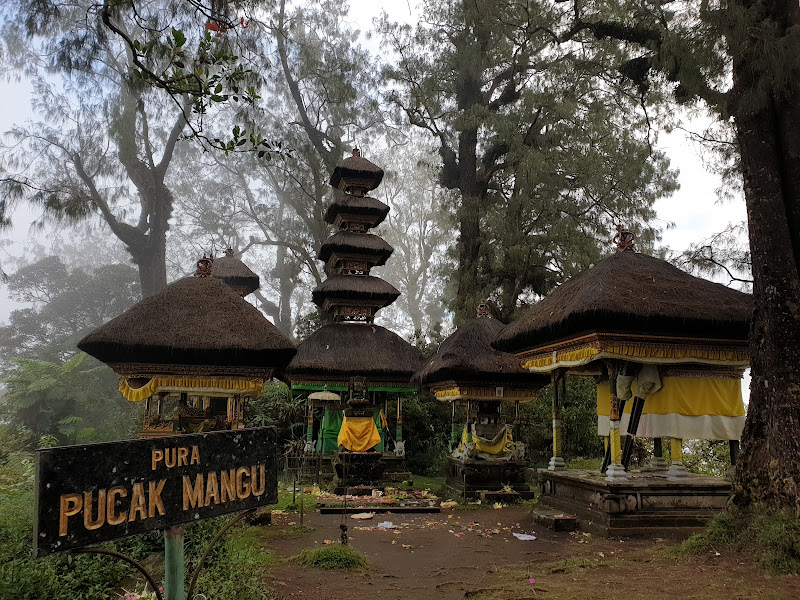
468,478
647,504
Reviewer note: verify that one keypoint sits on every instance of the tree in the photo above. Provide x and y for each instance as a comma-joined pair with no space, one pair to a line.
73,401
64,305
742,60
544,147
419,227
106,140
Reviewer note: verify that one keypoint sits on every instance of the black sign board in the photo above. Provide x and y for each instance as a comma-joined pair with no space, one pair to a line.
98,492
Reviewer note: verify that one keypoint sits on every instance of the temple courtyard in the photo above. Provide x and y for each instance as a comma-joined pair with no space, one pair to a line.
474,553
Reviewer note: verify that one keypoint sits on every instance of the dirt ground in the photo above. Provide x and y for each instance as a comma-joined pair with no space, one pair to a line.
474,554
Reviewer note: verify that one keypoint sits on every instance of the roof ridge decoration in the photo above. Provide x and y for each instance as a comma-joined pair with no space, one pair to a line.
623,240
483,311
204,266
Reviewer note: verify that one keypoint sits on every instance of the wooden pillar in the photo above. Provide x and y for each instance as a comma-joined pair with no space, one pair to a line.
615,471
399,429
516,421
453,425
322,430
468,421
677,470
658,462
734,451
146,423
310,421
556,461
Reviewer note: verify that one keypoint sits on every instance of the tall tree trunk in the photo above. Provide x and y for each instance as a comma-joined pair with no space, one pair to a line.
768,130
150,259
468,289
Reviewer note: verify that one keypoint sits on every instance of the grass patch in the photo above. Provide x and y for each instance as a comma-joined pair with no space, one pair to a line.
774,537
587,464
237,569
335,557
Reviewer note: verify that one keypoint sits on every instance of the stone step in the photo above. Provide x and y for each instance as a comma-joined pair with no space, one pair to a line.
555,520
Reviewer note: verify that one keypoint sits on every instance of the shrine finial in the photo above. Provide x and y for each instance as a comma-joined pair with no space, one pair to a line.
483,311
204,266
624,239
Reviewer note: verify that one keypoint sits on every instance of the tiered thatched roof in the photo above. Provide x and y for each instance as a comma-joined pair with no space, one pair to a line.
467,357
196,321
361,244
362,206
353,349
235,273
356,171
632,293
378,292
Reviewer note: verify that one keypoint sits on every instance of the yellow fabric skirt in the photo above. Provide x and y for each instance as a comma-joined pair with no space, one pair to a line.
358,434
685,407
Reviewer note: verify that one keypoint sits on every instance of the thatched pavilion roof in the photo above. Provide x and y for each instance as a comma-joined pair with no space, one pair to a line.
195,321
356,169
235,273
467,356
632,293
366,288
347,349
363,206
361,244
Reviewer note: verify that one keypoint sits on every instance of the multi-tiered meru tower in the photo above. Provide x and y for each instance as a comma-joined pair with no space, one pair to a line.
362,366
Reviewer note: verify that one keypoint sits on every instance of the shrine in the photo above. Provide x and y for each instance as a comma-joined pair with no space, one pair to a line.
668,351
484,387
352,372
195,352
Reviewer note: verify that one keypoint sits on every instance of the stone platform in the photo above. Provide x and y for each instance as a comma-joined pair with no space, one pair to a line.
468,478
647,504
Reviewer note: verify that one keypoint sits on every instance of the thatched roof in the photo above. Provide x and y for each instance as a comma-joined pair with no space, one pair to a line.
362,244
467,356
236,274
347,349
356,287
195,321
632,293
362,206
356,170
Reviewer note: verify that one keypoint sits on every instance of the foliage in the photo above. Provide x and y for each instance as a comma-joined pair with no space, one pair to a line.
426,426
543,142
277,407
771,536
235,569
578,423
56,577
76,401
722,255
64,305
707,457
334,557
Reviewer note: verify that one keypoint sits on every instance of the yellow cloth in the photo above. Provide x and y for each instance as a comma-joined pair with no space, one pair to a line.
501,445
358,434
640,352
690,396
195,385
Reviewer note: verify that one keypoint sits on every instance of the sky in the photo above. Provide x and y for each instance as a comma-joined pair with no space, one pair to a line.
693,209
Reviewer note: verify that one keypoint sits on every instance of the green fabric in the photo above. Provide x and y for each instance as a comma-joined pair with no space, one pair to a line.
329,432
377,418
332,423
